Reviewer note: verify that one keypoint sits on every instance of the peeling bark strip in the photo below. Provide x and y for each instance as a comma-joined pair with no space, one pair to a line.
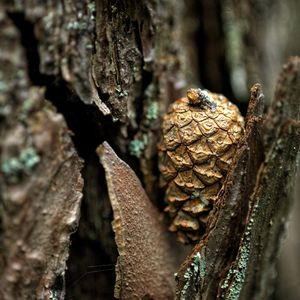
148,258
225,227
272,197
40,182
237,262
136,44
253,274
62,40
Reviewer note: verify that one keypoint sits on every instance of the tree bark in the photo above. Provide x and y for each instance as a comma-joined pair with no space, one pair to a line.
75,74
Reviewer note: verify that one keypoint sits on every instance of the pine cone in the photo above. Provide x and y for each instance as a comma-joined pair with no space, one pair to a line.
200,136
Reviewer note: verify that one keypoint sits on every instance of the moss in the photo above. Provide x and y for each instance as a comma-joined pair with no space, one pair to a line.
14,167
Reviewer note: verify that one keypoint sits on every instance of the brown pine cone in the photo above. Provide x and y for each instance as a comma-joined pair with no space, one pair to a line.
200,136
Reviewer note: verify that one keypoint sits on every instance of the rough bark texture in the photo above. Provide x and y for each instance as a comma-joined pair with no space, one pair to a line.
111,68
40,182
271,199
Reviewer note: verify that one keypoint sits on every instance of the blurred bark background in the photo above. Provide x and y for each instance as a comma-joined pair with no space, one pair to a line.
75,74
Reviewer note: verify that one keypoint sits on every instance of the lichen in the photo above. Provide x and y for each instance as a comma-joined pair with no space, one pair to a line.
5,110
194,275
137,146
120,92
26,107
13,167
152,111
298,159
74,25
3,87
92,7
233,283
54,295
29,158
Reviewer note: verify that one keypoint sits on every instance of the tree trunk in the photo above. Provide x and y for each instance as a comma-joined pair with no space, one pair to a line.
75,75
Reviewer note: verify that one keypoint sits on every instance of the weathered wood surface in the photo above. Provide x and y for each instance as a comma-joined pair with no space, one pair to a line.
40,182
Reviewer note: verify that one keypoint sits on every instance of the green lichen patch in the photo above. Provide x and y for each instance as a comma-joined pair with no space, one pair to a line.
120,92
3,87
194,275
92,7
54,295
14,167
5,110
233,283
26,108
137,146
152,111
75,25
